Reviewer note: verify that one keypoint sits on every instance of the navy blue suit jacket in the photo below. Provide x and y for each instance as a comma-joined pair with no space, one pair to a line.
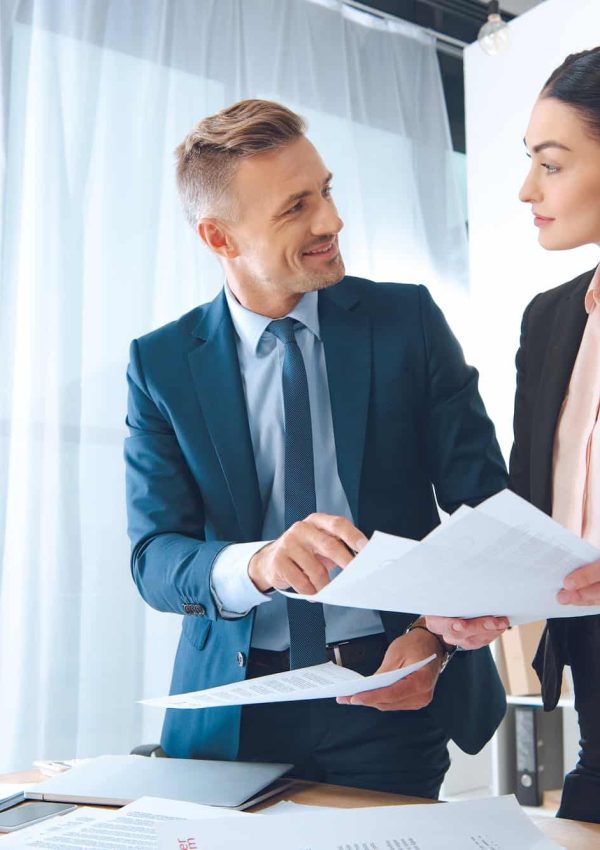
407,420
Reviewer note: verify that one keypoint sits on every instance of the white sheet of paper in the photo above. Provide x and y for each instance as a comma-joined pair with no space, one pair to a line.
135,825
503,558
159,807
319,682
289,807
492,824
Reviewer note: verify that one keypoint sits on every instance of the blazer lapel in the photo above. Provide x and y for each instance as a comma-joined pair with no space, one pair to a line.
346,334
218,384
565,337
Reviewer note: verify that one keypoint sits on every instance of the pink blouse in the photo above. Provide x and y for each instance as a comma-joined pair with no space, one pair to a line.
576,457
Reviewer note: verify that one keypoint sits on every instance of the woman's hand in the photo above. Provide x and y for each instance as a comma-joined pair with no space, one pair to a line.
468,634
582,586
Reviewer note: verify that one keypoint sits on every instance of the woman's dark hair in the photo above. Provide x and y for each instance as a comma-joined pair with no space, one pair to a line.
577,83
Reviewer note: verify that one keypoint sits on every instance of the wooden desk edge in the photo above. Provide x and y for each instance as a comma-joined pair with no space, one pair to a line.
337,796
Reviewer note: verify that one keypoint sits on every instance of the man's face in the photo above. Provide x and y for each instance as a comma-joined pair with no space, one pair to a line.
286,228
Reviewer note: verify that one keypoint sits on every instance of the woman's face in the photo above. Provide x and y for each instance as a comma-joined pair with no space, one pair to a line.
563,183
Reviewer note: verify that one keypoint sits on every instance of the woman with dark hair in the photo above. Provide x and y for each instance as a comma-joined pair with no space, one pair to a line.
555,460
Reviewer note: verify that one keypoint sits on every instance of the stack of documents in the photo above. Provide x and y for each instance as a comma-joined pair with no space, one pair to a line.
154,824
493,824
503,558
132,827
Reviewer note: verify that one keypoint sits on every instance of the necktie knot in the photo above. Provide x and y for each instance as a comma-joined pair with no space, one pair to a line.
283,329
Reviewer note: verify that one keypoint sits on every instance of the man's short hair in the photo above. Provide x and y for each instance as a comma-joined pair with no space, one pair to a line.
208,156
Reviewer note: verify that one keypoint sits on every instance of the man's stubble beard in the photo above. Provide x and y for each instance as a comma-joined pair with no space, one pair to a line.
316,281
308,283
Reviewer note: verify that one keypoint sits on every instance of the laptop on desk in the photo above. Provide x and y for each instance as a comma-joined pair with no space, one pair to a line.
118,780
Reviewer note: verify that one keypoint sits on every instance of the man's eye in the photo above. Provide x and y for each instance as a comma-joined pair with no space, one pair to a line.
296,208
327,192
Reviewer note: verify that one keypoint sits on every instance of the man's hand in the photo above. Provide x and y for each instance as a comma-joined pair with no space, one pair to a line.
468,634
416,691
302,556
582,586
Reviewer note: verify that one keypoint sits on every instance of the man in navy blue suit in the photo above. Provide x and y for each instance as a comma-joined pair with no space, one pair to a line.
271,432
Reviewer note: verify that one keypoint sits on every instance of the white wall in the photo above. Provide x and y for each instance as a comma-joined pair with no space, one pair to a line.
507,266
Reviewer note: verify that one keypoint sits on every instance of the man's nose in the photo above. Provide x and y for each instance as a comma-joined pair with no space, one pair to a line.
326,218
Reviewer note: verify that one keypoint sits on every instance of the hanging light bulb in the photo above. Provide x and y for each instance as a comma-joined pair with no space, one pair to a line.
493,35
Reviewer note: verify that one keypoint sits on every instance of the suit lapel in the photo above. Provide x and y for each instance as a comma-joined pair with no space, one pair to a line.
346,334
565,337
218,385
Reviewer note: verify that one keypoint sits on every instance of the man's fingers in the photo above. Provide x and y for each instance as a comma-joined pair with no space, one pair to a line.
331,548
289,575
583,576
310,565
302,557
341,528
416,690
315,534
327,563
411,693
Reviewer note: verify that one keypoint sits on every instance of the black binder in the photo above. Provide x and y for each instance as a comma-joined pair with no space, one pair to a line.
539,756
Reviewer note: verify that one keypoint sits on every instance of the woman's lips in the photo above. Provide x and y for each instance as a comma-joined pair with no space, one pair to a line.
541,220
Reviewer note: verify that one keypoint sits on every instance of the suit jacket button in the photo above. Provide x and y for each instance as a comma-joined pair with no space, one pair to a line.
188,609
241,659
199,610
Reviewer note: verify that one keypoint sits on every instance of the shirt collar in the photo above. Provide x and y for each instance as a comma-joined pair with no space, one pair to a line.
592,296
251,326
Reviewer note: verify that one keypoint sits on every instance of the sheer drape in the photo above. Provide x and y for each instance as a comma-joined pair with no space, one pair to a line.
95,251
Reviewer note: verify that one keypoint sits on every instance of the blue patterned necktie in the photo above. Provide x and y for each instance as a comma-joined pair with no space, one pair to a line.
306,620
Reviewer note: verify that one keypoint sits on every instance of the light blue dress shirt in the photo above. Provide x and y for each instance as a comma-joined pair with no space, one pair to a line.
260,356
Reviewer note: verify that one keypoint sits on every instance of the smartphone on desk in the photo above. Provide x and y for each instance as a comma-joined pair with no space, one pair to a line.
30,812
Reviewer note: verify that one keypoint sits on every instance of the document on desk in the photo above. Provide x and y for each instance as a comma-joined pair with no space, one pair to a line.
319,682
134,826
497,823
503,558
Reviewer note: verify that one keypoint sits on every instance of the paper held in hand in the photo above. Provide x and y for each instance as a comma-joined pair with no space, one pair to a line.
502,558
319,682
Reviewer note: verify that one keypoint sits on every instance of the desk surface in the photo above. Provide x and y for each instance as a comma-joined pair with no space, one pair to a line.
572,835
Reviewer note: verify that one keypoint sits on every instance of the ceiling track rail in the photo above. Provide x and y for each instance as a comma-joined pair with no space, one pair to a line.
445,43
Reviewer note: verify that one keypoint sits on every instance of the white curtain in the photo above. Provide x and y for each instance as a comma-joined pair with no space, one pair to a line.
94,251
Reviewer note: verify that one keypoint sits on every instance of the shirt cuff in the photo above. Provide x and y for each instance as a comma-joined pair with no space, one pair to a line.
231,587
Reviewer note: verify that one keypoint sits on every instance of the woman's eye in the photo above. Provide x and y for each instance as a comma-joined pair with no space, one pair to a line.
551,169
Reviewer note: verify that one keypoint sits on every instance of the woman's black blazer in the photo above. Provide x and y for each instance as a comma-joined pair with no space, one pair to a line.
551,333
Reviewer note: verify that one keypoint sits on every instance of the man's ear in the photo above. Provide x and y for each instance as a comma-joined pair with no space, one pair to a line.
216,236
